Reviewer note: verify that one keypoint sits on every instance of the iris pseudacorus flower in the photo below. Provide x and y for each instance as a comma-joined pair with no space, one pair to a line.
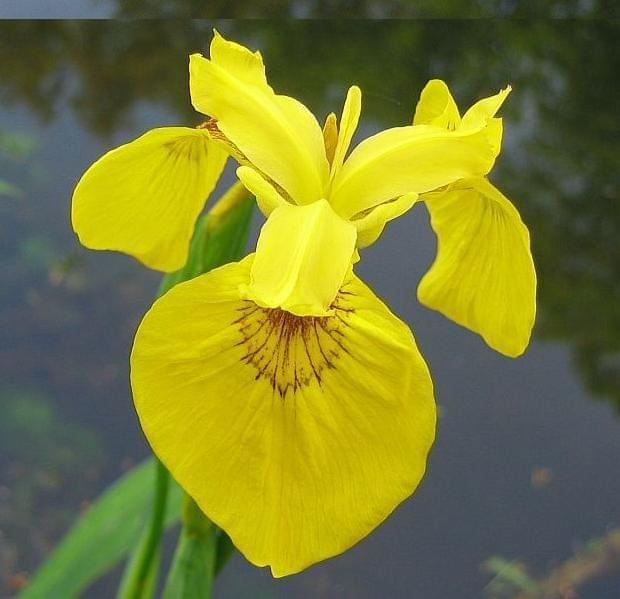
282,394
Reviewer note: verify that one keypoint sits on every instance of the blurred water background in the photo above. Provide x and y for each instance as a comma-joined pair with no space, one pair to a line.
525,468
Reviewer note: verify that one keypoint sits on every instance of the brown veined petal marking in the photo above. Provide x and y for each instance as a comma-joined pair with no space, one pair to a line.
296,435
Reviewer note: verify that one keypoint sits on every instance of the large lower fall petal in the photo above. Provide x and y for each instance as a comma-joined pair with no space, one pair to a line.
297,436
483,277
144,197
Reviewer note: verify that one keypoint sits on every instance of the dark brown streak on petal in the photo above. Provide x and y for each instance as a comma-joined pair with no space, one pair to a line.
291,351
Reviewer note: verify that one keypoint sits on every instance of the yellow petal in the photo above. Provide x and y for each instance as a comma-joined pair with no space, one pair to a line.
370,226
484,109
436,106
302,257
277,134
413,159
297,436
348,125
483,276
267,197
144,197
330,136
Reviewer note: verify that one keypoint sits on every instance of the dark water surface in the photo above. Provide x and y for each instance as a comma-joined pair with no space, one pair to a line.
526,462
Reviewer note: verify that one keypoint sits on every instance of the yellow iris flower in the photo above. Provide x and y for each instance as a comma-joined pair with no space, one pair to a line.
280,392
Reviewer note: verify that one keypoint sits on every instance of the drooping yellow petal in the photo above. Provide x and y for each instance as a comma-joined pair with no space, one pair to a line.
144,197
412,159
302,257
297,436
437,107
483,277
370,226
348,125
277,134
267,197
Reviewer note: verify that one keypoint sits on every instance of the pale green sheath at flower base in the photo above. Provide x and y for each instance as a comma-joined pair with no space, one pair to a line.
280,392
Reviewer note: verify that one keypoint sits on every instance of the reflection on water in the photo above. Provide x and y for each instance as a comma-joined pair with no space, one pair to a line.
198,9
67,316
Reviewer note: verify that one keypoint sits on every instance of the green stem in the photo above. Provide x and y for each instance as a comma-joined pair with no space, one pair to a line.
194,563
225,550
139,578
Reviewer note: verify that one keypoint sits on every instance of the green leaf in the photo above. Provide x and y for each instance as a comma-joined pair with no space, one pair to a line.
141,572
101,536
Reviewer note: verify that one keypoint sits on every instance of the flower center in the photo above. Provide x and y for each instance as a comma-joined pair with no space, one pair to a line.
290,351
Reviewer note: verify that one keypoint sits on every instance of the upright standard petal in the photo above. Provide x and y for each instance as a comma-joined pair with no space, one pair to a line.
144,197
483,277
330,136
348,125
413,159
436,106
485,109
302,257
297,436
277,134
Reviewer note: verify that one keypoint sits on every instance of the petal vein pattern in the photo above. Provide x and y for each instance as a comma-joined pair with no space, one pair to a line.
297,435
144,197
483,277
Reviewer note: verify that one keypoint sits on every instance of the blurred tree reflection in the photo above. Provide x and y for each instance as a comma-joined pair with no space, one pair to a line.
365,8
272,8
563,128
